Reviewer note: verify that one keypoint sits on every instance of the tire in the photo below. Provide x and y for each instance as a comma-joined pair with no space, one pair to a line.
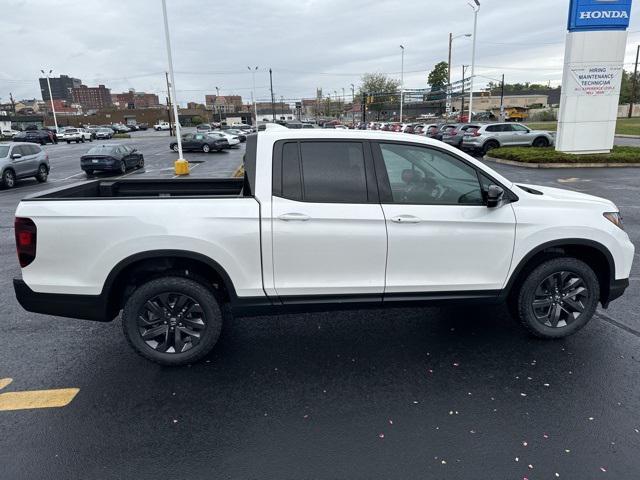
206,148
141,163
490,145
82,139
156,301
540,142
123,167
174,147
8,179
43,174
90,139
68,142
89,172
545,298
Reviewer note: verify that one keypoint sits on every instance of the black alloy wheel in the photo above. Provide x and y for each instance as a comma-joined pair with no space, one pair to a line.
560,299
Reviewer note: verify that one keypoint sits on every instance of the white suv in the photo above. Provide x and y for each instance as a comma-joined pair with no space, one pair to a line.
77,135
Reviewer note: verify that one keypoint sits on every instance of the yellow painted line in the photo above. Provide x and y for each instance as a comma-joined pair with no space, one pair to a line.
37,399
4,382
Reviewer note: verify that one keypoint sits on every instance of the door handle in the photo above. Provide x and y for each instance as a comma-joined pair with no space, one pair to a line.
294,217
406,219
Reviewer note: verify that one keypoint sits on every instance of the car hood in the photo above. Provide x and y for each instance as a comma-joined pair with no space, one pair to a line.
569,195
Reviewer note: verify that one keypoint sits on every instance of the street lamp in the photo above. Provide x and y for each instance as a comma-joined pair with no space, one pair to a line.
53,108
476,9
253,95
181,166
401,81
451,39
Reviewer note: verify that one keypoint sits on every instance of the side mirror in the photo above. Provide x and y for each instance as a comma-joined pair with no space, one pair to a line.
16,156
494,196
134,150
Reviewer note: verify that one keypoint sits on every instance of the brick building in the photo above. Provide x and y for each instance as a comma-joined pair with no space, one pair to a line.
135,100
92,98
224,103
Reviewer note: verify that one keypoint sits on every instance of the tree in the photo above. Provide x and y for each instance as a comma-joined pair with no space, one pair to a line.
626,87
379,90
439,76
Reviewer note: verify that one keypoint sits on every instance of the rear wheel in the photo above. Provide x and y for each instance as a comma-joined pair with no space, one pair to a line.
490,145
174,147
172,320
43,174
206,148
8,179
558,298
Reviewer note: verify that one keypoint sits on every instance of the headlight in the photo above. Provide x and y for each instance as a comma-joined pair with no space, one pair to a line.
615,218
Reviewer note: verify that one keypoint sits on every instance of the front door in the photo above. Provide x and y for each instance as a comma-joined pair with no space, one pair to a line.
442,237
329,235
22,166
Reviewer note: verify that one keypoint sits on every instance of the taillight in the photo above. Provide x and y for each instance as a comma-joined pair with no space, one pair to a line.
26,237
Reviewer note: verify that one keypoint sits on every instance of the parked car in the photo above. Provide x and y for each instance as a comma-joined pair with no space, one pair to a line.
24,160
201,142
161,126
143,126
120,128
111,157
494,135
204,127
77,135
232,140
41,137
431,130
437,225
454,135
242,136
104,134
9,133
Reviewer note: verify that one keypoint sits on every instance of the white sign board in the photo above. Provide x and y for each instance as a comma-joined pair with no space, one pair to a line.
595,80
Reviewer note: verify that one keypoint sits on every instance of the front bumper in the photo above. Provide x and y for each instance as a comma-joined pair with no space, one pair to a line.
86,307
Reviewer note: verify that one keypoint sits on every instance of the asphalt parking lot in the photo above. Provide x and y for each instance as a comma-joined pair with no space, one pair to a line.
404,393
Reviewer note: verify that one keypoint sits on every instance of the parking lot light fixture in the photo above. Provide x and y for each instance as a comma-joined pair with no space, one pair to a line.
53,108
181,166
476,9
253,94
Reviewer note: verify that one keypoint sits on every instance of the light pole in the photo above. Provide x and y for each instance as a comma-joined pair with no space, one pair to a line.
401,80
253,95
353,102
181,166
218,106
451,39
53,108
476,9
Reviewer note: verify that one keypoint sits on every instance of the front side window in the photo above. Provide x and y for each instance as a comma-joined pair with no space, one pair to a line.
333,172
519,128
425,176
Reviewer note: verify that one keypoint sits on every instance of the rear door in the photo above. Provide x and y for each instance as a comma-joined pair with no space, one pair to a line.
329,234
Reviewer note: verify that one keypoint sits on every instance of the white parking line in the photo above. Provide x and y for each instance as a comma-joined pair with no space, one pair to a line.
67,178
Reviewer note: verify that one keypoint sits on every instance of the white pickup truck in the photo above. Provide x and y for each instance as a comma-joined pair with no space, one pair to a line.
323,219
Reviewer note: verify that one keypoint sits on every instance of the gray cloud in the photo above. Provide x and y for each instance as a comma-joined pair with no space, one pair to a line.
308,43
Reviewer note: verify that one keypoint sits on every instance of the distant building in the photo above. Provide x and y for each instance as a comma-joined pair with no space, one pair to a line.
195,106
224,103
135,100
63,107
483,102
28,107
60,87
92,98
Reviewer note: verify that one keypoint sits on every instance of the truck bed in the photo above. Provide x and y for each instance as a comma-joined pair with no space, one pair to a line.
146,188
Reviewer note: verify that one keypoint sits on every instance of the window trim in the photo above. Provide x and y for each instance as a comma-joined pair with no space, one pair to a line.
373,196
384,185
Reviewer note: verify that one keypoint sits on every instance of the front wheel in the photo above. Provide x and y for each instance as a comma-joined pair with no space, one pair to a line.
172,320
8,179
123,167
206,148
141,162
558,298
174,147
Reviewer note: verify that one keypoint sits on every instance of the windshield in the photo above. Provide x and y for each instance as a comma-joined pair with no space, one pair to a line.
70,130
4,150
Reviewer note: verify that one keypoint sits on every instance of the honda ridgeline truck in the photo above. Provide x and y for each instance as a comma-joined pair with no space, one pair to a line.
322,219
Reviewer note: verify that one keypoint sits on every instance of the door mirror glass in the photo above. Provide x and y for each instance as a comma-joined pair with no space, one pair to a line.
494,195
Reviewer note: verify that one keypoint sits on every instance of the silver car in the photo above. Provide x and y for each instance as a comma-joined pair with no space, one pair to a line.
22,160
494,135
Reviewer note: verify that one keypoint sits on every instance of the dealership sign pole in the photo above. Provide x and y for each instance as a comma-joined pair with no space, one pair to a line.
594,57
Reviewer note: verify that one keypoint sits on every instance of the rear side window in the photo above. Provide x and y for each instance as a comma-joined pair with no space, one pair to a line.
493,128
333,172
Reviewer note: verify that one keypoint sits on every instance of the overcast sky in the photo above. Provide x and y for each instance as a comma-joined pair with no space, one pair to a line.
307,43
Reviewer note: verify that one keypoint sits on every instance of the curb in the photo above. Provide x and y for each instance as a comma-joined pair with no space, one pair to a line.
628,136
560,165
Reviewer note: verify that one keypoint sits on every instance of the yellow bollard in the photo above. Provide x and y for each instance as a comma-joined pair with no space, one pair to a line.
181,167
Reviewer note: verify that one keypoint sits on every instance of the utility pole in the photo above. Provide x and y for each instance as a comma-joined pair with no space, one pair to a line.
13,103
364,107
634,88
273,103
401,81
449,62
476,9
502,99
166,74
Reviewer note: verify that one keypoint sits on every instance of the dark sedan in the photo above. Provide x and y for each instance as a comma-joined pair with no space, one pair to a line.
111,157
36,136
199,142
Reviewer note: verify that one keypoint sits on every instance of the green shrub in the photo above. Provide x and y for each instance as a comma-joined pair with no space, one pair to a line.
619,154
121,135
